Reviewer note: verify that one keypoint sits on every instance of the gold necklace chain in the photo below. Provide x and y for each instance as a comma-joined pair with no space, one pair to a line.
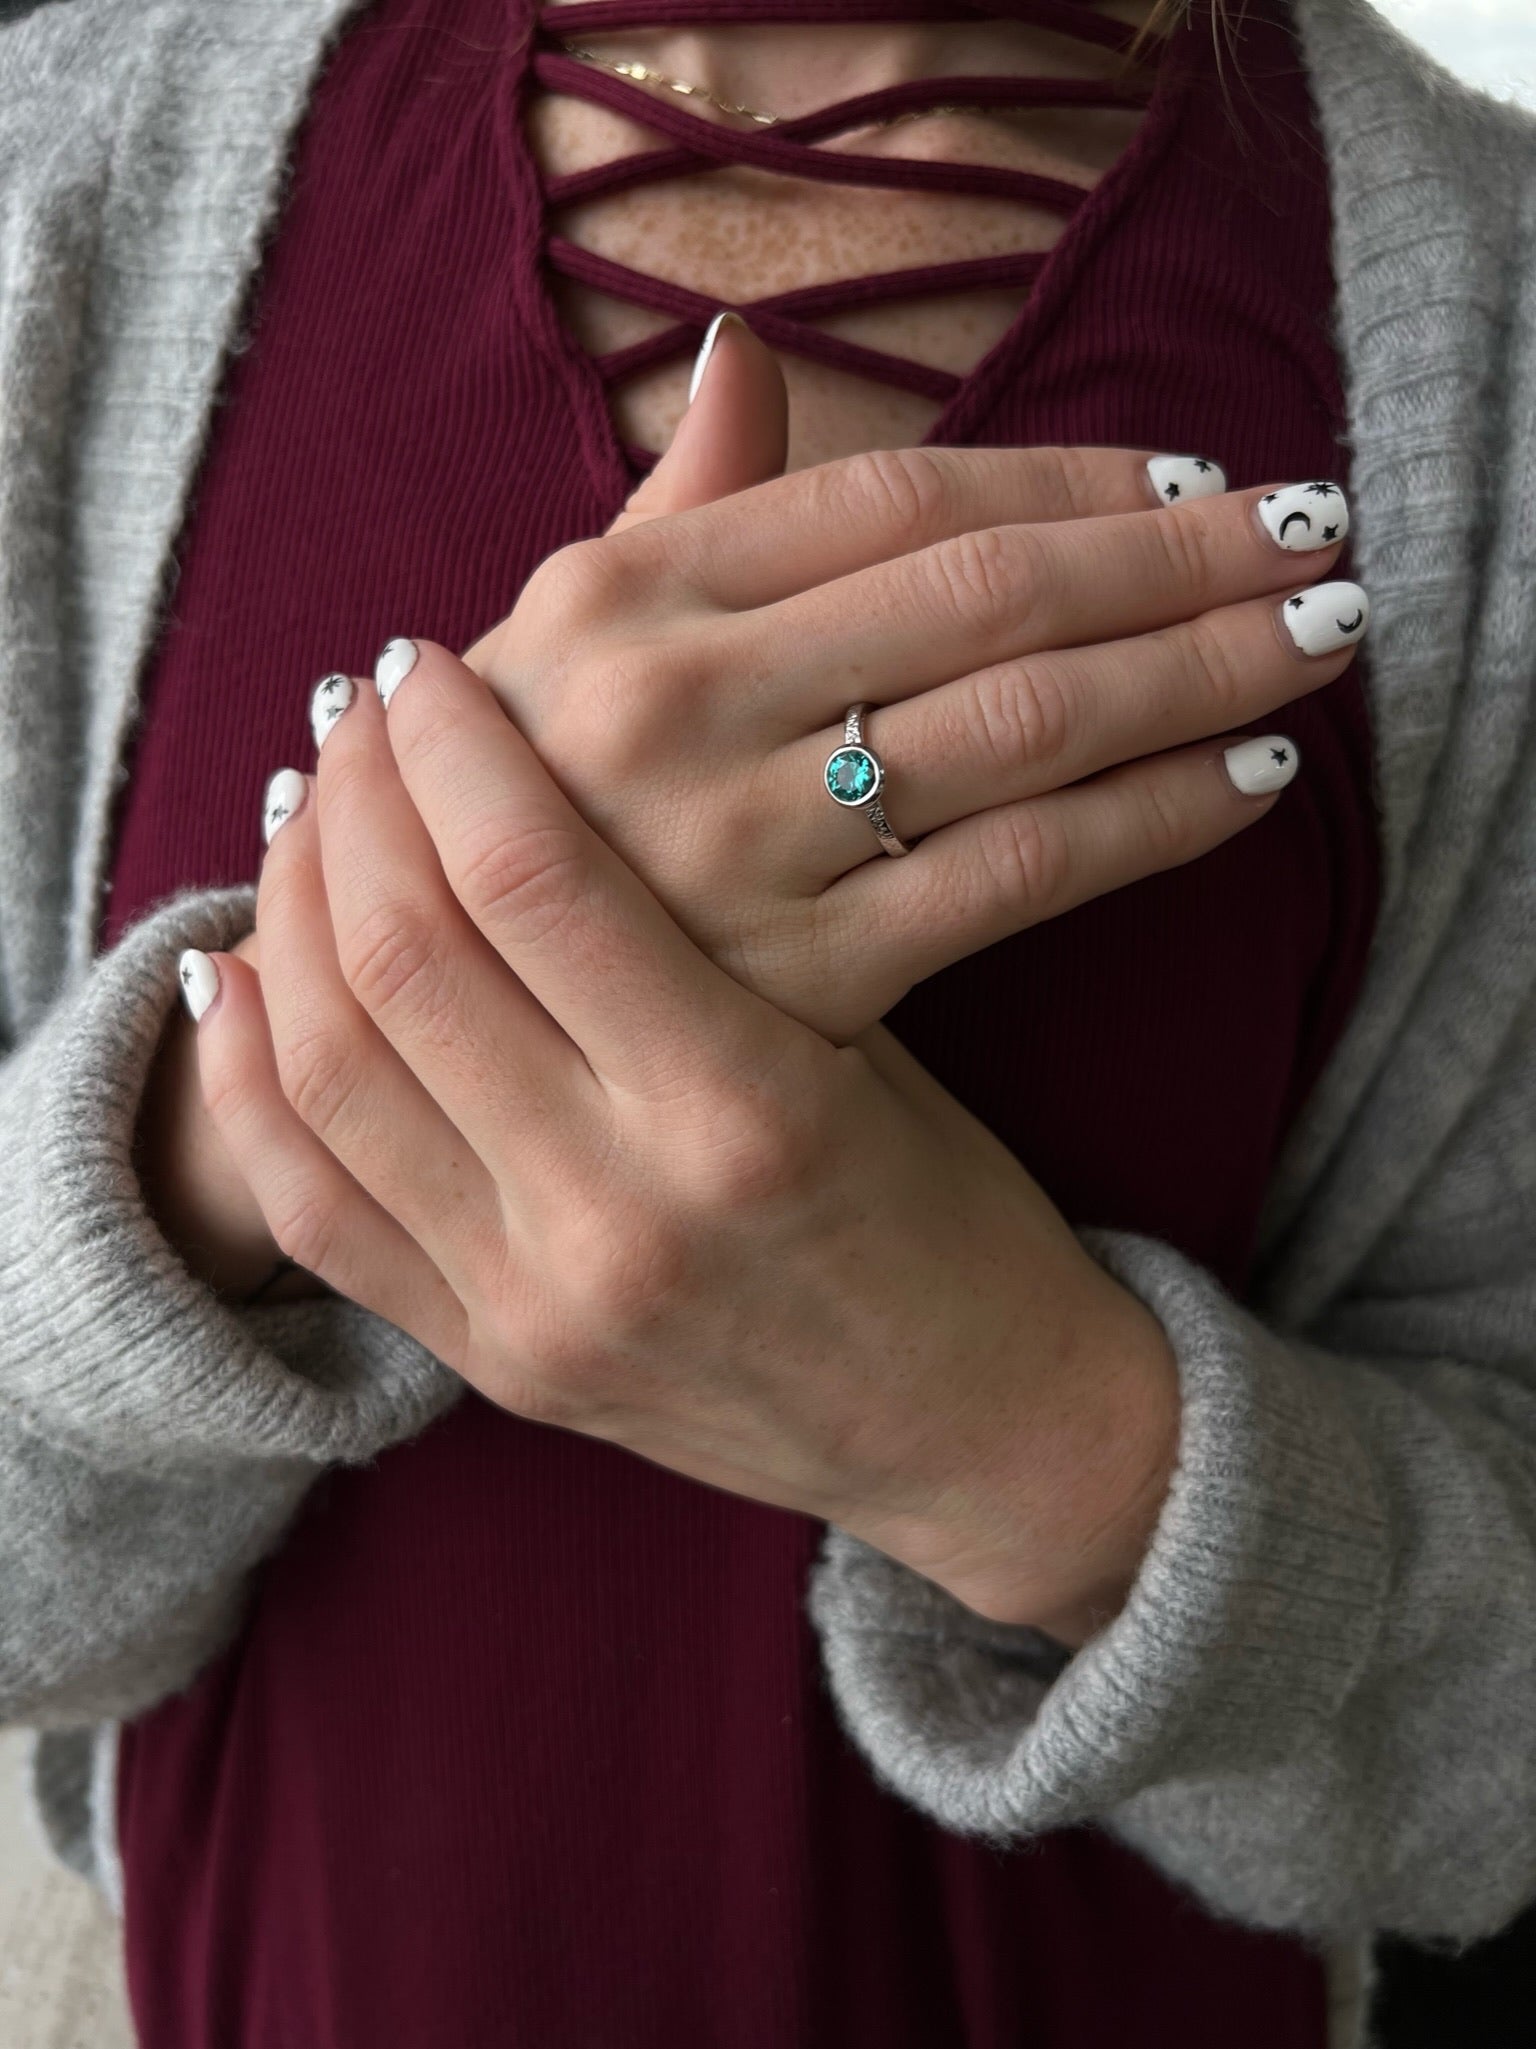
642,74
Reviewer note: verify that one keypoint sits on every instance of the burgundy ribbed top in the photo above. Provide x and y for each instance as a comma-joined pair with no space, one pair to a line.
525,1741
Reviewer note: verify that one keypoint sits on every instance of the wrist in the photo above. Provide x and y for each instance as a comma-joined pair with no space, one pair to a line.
1055,1533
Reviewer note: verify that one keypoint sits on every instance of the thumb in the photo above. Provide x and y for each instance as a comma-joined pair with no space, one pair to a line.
733,434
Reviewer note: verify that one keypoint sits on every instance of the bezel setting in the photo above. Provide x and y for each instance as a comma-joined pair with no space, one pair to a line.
865,797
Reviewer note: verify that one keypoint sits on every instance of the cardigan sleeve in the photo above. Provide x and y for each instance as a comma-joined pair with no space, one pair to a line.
1317,1708
154,1443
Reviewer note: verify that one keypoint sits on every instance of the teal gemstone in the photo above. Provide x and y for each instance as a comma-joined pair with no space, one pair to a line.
851,775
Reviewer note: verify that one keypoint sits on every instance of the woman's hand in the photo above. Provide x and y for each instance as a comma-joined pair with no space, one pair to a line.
1050,656
488,1088
192,1188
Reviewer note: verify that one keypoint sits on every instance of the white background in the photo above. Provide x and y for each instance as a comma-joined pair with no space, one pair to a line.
1490,43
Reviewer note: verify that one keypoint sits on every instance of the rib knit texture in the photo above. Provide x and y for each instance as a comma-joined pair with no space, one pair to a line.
542,1625
1315,1708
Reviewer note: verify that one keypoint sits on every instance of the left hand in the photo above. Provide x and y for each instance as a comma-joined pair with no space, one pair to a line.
486,1087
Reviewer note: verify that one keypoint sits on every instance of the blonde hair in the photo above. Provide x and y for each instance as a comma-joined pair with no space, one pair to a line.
1166,16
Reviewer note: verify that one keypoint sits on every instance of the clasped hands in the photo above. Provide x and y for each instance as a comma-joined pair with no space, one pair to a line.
563,1052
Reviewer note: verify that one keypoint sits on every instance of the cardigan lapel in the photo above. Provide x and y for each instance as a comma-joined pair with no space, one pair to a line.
202,132
1429,326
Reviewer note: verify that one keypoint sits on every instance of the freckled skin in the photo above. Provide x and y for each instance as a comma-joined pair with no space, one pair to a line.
738,233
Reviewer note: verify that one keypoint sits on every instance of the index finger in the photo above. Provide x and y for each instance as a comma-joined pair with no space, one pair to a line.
794,532
580,930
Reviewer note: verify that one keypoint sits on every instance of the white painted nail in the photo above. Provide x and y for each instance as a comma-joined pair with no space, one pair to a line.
1305,516
1327,616
707,349
1259,766
396,660
329,699
199,980
286,792
1177,477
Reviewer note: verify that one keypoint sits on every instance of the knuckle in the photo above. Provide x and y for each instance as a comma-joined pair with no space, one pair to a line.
584,583
1216,674
1184,538
629,695
755,1149
1026,854
1071,485
523,880
303,1224
908,489
1166,829
978,574
615,1272
319,1072
1020,716
391,962
744,1166
225,1088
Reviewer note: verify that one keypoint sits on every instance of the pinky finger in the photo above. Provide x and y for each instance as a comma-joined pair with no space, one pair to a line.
318,1215
997,872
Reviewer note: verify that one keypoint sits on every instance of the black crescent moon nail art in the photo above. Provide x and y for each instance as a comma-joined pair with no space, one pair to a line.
1325,618
1287,516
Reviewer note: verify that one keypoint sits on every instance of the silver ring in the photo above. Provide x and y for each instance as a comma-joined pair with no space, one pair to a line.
854,777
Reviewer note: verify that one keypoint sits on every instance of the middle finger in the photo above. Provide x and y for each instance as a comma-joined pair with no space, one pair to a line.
904,625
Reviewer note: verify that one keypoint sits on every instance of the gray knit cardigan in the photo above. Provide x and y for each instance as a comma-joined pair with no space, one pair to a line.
1318,1708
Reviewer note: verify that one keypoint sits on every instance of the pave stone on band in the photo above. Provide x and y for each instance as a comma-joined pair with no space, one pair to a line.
855,776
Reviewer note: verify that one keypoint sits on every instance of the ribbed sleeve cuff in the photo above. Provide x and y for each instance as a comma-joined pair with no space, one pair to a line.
1256,1608
111,1346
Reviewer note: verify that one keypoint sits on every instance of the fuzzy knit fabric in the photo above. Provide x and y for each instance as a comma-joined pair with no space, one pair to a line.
1316,1708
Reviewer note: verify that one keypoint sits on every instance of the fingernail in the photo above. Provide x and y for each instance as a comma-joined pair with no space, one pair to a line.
1177,477
1259,766
286,791
199,980
1304,516
396,660
1328,616
329,699
707,349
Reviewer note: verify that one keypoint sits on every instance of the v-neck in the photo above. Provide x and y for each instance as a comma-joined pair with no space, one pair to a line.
615,465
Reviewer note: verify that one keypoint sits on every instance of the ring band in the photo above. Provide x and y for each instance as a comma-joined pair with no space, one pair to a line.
855,776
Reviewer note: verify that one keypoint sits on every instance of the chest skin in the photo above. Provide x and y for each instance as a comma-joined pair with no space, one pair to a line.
739,233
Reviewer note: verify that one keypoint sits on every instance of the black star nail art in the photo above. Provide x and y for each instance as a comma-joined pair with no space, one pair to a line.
277,814
1330,533
1201,464
1280,755
1296,603
1323,490
1170,491
186,978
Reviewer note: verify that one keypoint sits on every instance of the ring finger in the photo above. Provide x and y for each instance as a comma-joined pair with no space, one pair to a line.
1019,729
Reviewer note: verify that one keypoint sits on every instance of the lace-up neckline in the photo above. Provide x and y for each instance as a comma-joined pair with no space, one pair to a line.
695,145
